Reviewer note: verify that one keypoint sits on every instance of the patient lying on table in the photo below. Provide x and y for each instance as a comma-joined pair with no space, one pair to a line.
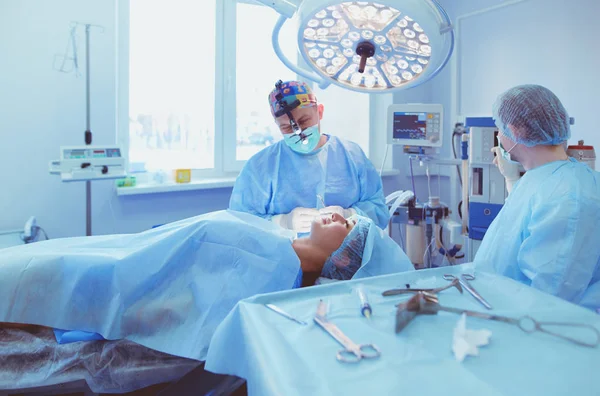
168,288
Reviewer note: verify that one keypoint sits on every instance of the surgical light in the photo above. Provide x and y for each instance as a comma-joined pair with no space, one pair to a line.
366,46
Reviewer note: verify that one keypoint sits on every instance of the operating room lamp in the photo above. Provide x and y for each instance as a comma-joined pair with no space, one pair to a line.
365,46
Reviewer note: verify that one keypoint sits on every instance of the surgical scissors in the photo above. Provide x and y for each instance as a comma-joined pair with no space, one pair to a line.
464,281
425,303
352,352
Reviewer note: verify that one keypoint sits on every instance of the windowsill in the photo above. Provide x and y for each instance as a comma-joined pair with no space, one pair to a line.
390,172
154,188
206,184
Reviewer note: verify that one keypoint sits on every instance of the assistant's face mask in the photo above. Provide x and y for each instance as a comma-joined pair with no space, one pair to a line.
304,145
506,154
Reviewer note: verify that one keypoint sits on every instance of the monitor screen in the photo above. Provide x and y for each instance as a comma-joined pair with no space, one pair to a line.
415,124
423,126
410,125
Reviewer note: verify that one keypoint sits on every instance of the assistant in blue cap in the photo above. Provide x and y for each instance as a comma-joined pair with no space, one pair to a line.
546,234
308,173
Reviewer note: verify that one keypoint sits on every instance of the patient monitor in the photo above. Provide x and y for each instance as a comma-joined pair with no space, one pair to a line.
415,124
82,163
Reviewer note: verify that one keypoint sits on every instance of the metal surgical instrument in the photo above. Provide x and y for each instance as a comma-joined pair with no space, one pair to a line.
321,200
281,312
464,281
425,303
352,353
394,292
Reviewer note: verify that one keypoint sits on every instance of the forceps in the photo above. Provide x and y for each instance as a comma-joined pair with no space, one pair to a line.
352,353
464,281
281,312
425,303
394,292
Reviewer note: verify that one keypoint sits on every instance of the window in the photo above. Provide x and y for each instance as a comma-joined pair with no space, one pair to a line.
171,84
346,114
258,68
196,90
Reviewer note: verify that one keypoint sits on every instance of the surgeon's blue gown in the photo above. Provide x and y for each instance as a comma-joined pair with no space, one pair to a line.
277,180
547,235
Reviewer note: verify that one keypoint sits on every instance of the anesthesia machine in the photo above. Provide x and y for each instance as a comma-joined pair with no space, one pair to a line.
419,129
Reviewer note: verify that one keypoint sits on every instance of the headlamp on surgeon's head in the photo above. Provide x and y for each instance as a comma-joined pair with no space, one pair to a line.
286,108
286,97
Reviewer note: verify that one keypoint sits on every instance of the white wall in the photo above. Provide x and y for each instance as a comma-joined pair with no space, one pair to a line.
553,43
42,109
547,42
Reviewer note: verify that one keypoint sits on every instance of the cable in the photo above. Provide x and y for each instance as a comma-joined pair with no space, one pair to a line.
428,180
387,147
412,177
443,246
428,252
71,45
454,134
439,184
428,235
44,231
112,211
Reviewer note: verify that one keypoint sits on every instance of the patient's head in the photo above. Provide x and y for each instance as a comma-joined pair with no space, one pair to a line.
328,232
334,248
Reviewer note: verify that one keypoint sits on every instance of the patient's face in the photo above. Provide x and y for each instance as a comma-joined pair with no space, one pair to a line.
328,232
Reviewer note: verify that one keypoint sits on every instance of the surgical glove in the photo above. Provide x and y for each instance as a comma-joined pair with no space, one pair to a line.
337,209
298,220
509,170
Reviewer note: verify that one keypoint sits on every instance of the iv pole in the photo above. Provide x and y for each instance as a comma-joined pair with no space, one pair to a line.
88,132
55,166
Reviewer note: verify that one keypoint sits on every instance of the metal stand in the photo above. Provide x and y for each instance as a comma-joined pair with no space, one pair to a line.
88,132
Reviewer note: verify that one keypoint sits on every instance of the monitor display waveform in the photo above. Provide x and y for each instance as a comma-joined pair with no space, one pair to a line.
409,126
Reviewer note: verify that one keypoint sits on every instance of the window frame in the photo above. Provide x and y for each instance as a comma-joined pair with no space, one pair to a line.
222,91
226,166
229,45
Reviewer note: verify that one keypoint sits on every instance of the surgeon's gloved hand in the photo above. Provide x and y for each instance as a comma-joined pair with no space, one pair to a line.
299,219
328,210
509,170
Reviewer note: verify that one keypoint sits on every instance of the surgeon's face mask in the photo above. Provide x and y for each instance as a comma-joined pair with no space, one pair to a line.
506,154
305,141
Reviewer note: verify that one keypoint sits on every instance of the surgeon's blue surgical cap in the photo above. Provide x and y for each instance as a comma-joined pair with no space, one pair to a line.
346,260
535,114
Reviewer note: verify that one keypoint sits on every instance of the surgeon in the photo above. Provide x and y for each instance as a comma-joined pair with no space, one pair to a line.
547,234
308,173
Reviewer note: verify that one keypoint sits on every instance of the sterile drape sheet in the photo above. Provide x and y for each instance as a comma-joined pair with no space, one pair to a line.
167,288
280,357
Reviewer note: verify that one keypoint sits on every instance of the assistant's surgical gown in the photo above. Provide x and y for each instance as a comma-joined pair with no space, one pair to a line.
547,235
